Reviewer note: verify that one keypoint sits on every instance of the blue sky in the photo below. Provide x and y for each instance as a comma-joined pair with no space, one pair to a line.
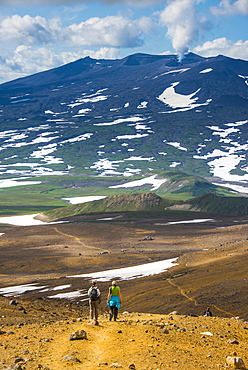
37,35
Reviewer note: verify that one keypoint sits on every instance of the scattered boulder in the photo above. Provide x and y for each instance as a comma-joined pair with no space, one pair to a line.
182,329
13,303
79,334
148,237
18,359
174,313
235,362
116,365
232,341
70,358
207,333
164,331
20,308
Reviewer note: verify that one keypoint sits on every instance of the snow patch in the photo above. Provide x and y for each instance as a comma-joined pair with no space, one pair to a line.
120,120
187,222
229,158
176,145
148,180
133,272
175,100
24,220
90,198
142,105
206,70
130,137
8,183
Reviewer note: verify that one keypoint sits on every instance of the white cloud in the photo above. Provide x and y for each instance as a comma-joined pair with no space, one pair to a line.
228,7
25,60
34,44
137,3
183,22
115,31
29,30
237,50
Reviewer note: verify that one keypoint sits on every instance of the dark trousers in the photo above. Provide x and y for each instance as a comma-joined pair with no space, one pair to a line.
113,312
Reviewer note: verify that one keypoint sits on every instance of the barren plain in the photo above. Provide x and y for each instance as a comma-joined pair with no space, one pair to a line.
211,270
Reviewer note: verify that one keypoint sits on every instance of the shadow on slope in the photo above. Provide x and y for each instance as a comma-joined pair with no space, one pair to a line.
236,206
143,202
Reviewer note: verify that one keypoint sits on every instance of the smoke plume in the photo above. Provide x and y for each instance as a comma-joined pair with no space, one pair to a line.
183,23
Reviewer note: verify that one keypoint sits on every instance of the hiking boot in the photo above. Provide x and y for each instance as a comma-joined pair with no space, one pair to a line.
110,316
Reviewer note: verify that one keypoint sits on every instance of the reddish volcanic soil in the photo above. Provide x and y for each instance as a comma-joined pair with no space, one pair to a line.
212,267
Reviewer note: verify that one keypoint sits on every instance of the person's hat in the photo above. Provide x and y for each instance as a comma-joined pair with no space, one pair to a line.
114,282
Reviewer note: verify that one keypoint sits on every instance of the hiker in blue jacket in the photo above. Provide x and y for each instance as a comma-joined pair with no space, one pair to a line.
114,300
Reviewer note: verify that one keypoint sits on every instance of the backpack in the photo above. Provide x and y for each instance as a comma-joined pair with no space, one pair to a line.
93,295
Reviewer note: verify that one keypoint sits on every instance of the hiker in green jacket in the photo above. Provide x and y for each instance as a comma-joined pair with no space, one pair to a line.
114,300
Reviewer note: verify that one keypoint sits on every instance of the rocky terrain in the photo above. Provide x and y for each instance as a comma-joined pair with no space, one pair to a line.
35,330
41,338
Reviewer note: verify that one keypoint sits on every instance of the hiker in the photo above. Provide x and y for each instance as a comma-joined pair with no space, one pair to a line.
114,300
207,312
94,295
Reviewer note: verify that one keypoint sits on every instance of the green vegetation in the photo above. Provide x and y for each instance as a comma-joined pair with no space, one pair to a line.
225,205
51,193
116,203
183,186
28,199
141,204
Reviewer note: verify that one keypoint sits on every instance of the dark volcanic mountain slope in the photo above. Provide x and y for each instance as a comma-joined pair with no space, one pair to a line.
115,117
149,202
225,205
115,203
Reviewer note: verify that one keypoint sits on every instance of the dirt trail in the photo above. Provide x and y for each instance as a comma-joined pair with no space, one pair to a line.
77,239
100,348
192,299
150,342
